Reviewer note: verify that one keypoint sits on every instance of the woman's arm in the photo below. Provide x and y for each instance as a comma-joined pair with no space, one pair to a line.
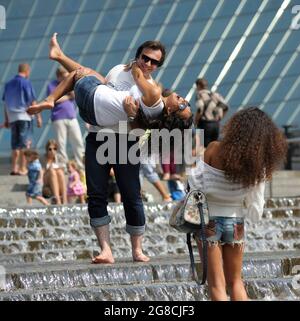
151,92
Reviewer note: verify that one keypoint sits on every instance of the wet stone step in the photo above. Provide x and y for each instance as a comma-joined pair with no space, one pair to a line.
153,210
285,229
265,289
282,202
153,246
160,269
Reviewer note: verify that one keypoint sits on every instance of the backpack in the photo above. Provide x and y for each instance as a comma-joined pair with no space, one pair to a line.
190,216
213,102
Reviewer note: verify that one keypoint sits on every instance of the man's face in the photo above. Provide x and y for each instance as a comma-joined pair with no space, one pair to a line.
148,60
27,73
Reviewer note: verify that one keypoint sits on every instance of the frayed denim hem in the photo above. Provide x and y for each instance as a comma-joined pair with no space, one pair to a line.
135,230
100,221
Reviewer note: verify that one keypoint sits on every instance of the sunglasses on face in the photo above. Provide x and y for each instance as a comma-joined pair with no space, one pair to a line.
183,105
50,149
154,62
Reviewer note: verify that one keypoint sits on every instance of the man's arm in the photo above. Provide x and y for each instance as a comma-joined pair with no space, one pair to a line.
6,122
151,92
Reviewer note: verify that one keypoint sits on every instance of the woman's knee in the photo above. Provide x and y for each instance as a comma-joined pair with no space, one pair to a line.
50,174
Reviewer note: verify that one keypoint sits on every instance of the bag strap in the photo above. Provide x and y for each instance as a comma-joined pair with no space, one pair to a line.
204,244
202,237
192,260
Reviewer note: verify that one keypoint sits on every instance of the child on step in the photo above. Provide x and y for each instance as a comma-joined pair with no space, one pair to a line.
35,176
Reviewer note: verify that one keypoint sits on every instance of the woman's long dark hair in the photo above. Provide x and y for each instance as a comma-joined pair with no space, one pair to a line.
252,147
169,122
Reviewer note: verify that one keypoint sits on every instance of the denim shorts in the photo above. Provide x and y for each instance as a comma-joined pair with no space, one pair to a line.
20,134
84,90
34,190
225,230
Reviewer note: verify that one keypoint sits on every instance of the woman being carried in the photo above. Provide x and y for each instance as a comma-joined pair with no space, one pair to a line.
99,104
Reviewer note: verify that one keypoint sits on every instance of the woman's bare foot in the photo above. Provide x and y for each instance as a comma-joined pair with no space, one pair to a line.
103,259
54,48
35,109
140,257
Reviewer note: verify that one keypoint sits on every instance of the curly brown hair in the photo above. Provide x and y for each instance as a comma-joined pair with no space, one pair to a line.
252,147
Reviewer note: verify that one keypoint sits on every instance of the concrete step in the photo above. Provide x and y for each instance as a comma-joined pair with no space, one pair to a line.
169,269
12,188
258,290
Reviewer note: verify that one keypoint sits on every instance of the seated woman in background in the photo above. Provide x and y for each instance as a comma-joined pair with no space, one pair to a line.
233,177
54,177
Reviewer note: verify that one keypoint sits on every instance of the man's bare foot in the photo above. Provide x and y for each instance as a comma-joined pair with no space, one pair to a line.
54,48
103,259
140,257
35,109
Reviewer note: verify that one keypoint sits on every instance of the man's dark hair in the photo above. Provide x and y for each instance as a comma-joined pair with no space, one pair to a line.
166,92
154,45
202,83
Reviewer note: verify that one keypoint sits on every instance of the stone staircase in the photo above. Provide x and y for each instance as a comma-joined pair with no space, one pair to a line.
46,256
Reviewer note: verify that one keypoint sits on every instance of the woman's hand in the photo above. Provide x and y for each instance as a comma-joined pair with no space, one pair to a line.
131,106
136,71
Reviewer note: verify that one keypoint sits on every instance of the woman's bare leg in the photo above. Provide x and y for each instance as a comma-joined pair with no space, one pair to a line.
50,178
62,185
56,53
64,87
233,264
215,274
81,199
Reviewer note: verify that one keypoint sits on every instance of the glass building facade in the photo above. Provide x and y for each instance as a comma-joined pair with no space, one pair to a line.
248,50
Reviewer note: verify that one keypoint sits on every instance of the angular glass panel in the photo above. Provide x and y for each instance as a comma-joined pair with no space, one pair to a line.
7,50
86,22
123,40
27,49
20,8
69,6
13,29
61,24
37,27
135,16
110,20
45,8
158,14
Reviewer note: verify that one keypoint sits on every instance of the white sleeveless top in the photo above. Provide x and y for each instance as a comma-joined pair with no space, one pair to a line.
225,198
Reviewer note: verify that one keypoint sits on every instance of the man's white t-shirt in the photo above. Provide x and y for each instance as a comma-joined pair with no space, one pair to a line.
108,100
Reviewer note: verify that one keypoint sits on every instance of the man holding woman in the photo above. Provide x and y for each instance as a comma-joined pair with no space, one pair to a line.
149,57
